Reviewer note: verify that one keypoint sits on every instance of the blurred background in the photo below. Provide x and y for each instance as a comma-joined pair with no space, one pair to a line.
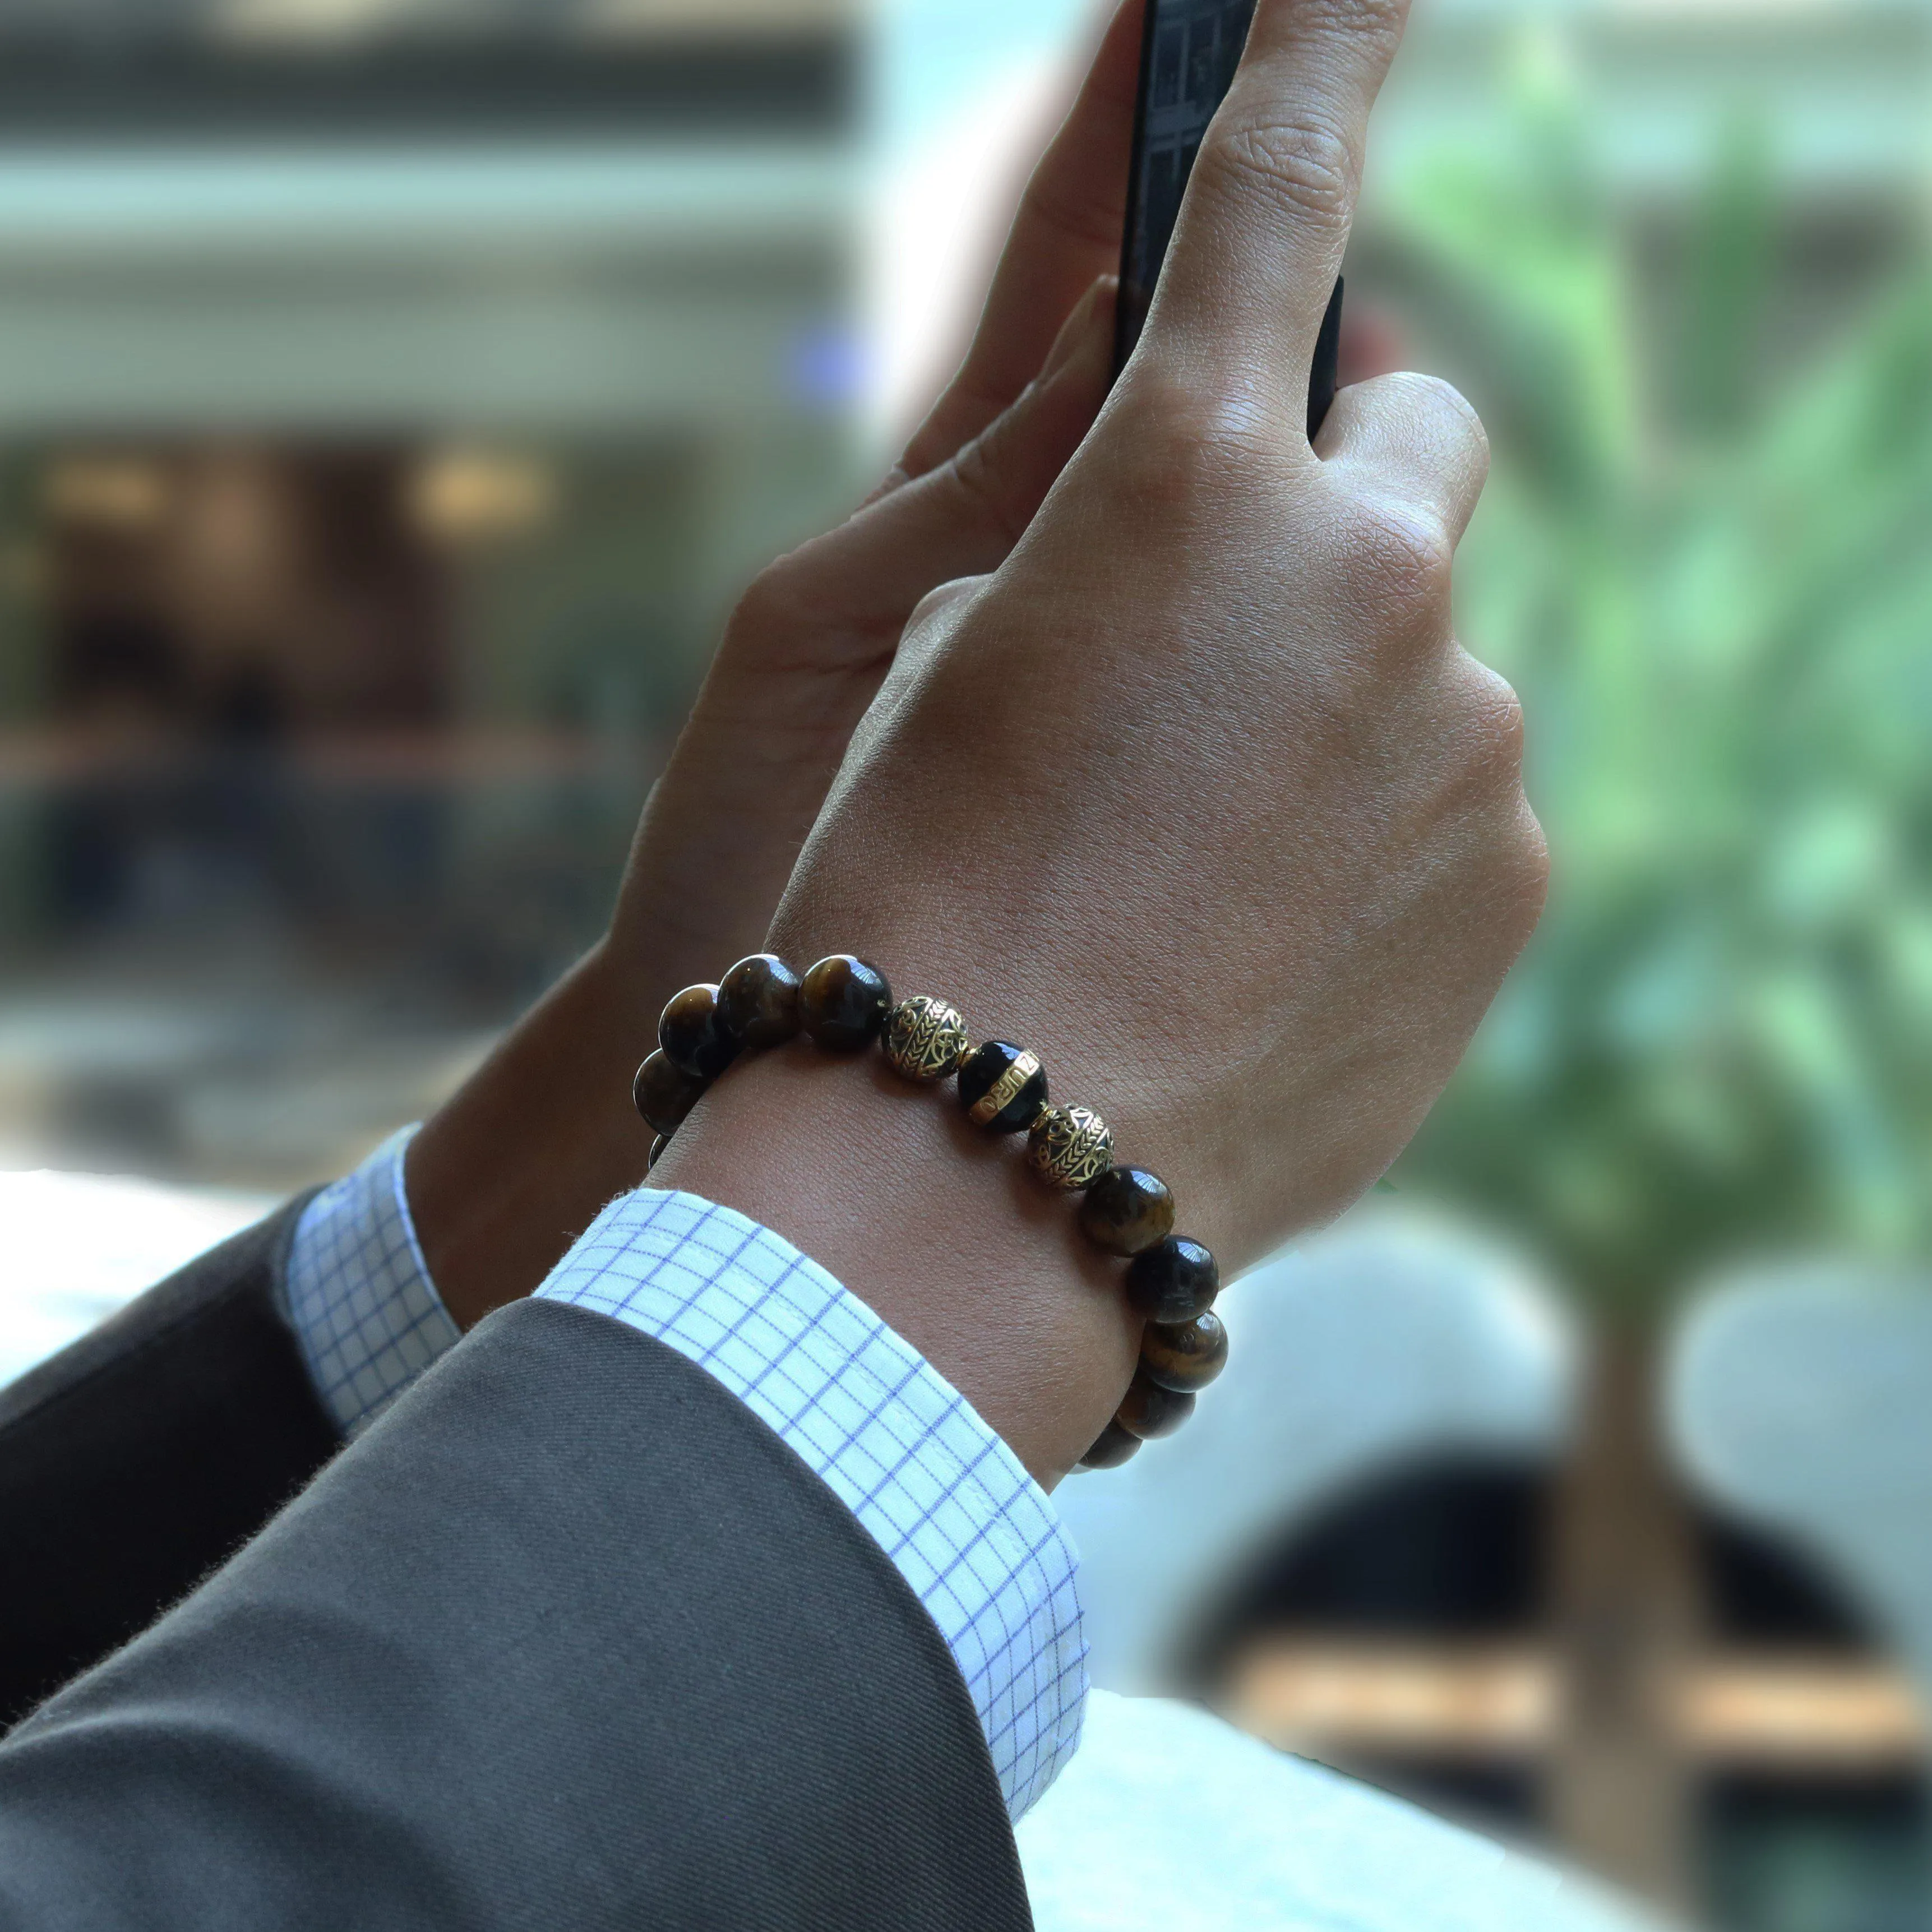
393,395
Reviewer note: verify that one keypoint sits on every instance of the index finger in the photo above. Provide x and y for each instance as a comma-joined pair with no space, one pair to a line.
1268,207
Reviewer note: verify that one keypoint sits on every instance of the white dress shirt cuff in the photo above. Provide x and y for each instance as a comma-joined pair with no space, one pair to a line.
365,1312
940,1492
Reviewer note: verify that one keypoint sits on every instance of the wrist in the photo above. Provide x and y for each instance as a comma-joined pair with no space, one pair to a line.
502,1177
944,1234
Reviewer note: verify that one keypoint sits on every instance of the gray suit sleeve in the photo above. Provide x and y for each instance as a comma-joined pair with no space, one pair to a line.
140,1458
570,1639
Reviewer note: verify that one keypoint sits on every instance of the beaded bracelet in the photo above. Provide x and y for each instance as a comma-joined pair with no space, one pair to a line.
843,1004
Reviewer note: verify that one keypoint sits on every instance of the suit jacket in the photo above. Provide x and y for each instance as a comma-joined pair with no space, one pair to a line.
569,1639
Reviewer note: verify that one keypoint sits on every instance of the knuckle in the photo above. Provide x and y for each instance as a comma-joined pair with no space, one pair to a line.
1524,868
1496,726
1181,453
943,599
1404,559
1514,867
1532,852
1467,433
1433,392
1380,20
980,478
1170,407
1406,425
1299,159
1461,428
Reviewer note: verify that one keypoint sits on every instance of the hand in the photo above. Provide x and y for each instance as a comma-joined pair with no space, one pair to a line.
502,1178
1196,795
804,655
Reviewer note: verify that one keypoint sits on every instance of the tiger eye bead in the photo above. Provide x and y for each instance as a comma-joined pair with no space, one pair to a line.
1150,1411
925,1039
1185,1357
843,1003
692,1034
758,1003
1114,1447
1002,1087
1173,1281
665,1093
1071,1147
1126,1209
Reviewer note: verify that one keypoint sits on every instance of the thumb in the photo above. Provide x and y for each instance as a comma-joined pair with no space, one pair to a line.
963,518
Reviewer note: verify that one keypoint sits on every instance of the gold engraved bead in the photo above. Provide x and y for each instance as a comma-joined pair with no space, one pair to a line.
925,1038
1071,1147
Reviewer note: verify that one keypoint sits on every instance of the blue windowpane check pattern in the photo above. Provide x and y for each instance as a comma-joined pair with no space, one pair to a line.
939,1493
972,1534
367,1317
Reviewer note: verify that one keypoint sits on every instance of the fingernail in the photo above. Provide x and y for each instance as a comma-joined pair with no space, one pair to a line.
1094,310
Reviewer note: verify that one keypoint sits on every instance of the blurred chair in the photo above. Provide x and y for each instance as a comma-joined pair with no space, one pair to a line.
1388,1340
1169,1820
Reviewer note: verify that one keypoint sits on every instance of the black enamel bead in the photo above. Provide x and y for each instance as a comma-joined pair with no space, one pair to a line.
692,1033
758,1003
658,1147
1114,1447
665,1094
1126,1209
1150,1411
1002,1087
843,1003
1173,1281
1185,1358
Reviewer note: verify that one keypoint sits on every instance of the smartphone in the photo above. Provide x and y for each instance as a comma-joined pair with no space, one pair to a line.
1189,49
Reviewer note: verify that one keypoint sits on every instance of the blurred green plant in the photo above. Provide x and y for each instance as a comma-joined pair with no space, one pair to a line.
1715,597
